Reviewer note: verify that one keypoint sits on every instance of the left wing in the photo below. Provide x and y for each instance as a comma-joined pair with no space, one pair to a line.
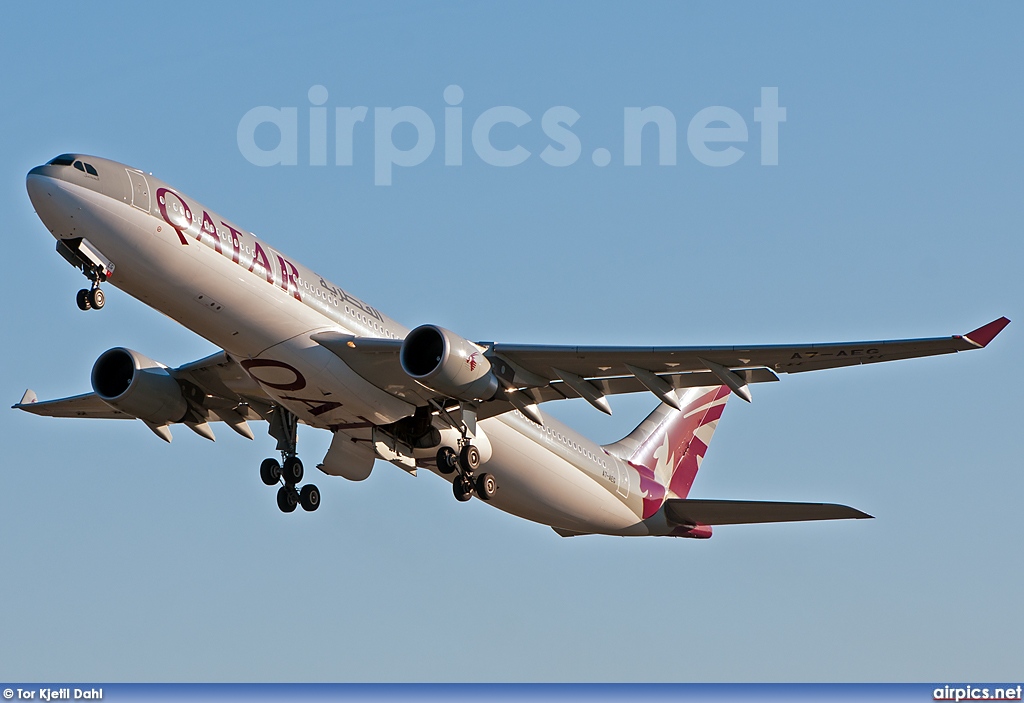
534,374
589,362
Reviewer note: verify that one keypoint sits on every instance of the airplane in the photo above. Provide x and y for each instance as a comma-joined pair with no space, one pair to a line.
296,348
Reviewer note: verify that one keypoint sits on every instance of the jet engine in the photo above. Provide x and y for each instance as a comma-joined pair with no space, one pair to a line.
134,384
445,362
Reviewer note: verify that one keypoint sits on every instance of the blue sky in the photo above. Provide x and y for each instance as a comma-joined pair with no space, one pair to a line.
895,211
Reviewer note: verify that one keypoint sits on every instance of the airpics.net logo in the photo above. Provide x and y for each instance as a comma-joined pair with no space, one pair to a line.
716,136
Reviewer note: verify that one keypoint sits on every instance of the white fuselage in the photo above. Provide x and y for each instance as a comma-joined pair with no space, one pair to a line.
261,307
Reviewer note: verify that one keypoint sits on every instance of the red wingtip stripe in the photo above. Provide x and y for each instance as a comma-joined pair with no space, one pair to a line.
985,334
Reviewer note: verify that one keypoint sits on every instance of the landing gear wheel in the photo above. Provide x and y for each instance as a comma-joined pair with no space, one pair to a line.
469,458
287,499
96,298
292,471
486,486
83,299
309,498
270,471
447,460
462,487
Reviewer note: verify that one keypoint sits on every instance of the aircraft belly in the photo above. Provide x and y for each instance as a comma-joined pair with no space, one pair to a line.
252,320
536,484
320,388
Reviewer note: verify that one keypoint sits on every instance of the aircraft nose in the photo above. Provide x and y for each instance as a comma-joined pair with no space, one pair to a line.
50,202
39,187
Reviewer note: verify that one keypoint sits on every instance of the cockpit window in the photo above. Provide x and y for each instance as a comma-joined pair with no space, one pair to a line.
87,168
62,160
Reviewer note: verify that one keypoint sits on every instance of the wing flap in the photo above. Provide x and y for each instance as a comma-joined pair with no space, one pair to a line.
743,512
558,390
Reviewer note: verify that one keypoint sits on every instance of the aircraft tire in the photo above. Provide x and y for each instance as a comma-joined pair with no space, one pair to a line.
447,459
83,299
486,486
270,472
462,487
97,299
469,458
287,499
292,471
309,498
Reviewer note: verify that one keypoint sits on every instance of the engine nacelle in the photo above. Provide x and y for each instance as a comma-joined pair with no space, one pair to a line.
134,384
445,362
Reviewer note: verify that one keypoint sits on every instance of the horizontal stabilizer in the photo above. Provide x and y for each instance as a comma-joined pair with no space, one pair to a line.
743,512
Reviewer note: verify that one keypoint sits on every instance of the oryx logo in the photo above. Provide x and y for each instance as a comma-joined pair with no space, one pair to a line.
471,360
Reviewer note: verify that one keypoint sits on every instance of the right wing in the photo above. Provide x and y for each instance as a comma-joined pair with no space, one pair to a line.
216,389
85,405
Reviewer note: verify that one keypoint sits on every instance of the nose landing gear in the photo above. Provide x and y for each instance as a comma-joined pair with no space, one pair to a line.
93,264
90,299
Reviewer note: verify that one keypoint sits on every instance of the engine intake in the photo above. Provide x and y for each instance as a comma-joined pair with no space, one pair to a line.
134,384
448,364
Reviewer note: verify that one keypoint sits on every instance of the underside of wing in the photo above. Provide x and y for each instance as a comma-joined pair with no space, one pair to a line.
589,362
214,389
85,405
223,385
524,376
377,361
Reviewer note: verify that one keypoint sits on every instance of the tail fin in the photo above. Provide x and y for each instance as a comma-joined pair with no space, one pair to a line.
668,447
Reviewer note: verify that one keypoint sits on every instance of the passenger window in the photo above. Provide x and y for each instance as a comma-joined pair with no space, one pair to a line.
79,166
91,171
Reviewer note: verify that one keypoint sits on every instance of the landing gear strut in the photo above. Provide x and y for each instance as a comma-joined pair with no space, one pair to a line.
288,472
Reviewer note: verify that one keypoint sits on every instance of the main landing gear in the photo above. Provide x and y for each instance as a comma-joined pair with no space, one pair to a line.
288,474
466,462
288,495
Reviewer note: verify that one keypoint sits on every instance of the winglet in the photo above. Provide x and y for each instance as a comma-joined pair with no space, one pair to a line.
27,399
985,334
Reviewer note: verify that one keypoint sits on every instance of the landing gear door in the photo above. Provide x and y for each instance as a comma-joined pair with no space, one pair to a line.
140,189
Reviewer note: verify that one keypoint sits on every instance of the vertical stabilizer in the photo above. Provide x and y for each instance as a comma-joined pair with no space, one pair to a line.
668,447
